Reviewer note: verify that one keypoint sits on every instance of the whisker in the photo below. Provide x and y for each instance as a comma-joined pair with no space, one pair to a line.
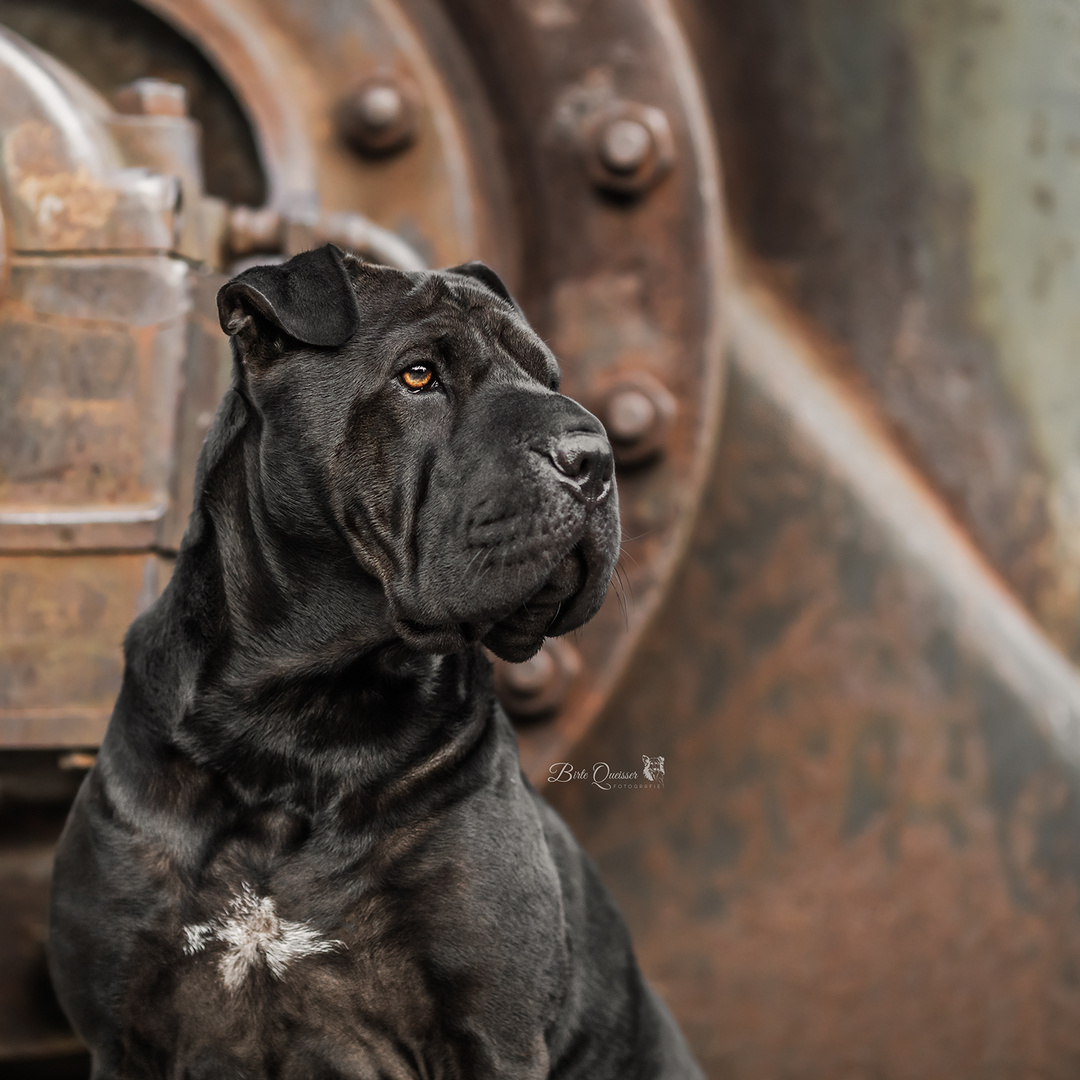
479,551
628,585
620,593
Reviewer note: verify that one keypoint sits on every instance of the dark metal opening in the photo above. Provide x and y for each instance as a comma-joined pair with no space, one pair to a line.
112,42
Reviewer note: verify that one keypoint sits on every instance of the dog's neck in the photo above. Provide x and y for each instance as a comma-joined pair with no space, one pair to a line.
281,656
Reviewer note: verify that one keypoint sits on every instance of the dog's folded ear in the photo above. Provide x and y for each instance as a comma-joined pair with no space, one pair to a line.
486,276
309,297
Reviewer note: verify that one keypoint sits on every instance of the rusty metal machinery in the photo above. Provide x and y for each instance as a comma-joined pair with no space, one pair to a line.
847,609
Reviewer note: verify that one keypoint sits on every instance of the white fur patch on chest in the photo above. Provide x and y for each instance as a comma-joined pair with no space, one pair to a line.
253,934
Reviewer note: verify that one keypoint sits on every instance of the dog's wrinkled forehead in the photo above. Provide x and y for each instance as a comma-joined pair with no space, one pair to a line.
324,298
464,323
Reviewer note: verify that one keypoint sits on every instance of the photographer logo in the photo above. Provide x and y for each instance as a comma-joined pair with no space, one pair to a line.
601,775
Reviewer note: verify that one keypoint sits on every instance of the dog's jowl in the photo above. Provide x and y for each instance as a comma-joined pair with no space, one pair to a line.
307,849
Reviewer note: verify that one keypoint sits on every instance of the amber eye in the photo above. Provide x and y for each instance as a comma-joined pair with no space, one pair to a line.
418,377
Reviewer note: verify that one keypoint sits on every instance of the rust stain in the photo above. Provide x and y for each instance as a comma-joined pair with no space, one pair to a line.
864,861
64,204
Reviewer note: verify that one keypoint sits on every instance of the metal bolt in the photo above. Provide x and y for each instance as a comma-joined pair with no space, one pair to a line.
631,415
627,148
532,677
377,117
624,145
537,688
381,106
636,410
151,97
253,230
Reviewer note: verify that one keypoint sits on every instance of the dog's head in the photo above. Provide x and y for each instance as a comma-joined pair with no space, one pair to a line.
654,767
417,417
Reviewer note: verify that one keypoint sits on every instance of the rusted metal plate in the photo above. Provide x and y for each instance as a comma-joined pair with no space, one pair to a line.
97,346
62,621
92,356
865,859
64,185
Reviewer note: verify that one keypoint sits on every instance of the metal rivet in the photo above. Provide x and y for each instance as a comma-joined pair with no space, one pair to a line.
532,677
636,410
151,97
377,117
631,415
625,145
381,106
538,687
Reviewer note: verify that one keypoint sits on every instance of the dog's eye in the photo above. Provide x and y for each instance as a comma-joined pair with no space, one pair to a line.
418,377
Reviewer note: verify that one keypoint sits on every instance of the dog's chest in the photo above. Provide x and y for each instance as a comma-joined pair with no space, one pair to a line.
288,995
350,973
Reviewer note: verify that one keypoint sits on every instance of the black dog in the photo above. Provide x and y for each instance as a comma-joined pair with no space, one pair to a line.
306,849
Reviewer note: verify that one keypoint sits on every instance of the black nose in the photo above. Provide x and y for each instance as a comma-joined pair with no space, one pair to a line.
586,459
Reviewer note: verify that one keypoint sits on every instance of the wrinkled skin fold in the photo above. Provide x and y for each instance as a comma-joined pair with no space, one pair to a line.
306,848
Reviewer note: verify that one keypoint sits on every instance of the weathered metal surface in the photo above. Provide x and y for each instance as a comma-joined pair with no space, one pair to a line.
93,349
151,129
206,374
93,343
907,173
62,620
92,338
254,234
864,859
64,185
291,66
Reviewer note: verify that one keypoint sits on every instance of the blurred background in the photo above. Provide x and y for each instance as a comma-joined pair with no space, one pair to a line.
815,265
